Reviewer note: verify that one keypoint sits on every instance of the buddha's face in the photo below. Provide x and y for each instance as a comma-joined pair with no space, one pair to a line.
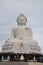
21,20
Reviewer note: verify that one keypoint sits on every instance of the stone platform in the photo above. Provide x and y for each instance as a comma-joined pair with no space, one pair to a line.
35,63
20,63
13,63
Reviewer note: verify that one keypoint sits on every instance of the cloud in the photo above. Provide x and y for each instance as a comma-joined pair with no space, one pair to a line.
0,49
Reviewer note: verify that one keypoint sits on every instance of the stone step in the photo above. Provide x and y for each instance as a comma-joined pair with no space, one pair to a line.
13,63
21,63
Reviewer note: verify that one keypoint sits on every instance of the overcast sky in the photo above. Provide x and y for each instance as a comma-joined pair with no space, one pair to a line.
32,9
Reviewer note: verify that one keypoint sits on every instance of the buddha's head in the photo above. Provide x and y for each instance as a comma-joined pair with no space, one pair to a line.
21,19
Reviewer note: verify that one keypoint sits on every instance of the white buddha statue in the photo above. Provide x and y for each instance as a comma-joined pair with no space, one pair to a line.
21,34
22,31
